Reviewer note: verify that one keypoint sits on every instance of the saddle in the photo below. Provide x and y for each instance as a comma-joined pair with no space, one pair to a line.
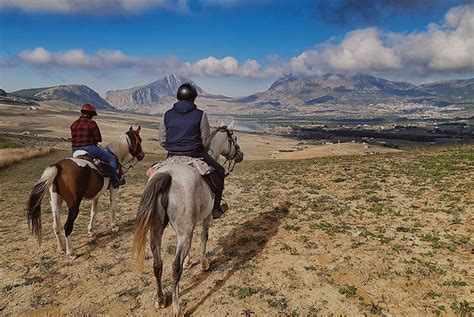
205,170
103,168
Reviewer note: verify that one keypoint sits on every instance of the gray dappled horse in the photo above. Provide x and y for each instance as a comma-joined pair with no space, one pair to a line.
179,194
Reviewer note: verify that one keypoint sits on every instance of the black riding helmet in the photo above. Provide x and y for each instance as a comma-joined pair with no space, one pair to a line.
187,92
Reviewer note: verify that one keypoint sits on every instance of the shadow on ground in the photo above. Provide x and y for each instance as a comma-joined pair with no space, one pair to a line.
238,247
105,237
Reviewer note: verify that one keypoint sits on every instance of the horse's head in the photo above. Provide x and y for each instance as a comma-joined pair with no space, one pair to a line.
231,149
135,143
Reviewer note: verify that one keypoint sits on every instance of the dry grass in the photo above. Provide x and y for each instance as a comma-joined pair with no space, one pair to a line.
383,234
11,156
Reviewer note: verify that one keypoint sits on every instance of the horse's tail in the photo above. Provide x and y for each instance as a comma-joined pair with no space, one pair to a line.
33,208
158,185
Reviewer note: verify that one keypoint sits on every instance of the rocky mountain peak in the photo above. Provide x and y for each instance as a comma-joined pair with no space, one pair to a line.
161,90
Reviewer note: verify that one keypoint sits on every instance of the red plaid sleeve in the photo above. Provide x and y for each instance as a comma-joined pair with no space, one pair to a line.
95,132
84,132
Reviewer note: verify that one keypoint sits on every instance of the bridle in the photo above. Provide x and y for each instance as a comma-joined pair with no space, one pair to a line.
238,154
134,149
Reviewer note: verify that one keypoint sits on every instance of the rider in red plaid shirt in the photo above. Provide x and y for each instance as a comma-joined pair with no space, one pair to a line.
84,132
85,135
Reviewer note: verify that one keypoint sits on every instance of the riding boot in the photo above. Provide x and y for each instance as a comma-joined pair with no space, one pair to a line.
219,208
121,176
116,182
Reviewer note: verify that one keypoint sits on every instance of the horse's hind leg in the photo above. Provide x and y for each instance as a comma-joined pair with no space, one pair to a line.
113,208
93,213
204,237
182,250
69,225
156,232
56,201
187,261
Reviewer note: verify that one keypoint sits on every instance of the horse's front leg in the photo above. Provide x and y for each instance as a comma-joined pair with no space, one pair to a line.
113,208
93,213
204,237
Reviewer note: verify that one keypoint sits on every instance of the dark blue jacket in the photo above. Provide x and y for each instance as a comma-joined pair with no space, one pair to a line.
183,128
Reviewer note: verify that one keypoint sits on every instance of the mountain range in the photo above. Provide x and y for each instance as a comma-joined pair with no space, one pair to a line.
74,94
289,95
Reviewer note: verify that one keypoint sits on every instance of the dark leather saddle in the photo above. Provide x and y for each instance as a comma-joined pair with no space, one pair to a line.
103,168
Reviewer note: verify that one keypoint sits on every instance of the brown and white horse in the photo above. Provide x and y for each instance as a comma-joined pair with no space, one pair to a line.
72,180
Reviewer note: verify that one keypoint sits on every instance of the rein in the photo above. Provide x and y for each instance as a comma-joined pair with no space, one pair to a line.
132,150
130,164
238,155
230,168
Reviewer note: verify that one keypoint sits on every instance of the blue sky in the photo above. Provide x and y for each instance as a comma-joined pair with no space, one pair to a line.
234,47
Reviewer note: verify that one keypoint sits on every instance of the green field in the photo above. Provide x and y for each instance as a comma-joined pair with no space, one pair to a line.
6,144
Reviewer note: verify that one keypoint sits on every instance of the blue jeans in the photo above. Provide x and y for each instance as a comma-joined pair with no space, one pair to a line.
100,153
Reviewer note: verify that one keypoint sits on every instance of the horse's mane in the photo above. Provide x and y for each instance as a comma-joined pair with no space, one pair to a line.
222,128
117,143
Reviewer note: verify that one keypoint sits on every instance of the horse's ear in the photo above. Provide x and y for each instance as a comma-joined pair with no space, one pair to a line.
131,128
139,128
231,125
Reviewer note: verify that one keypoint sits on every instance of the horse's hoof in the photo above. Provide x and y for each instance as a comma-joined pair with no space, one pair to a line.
187,264
115,229
205,265
160,304
72,256
61,250
91,233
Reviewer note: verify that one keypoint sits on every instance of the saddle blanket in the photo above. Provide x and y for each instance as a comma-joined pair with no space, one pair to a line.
81,158
198,164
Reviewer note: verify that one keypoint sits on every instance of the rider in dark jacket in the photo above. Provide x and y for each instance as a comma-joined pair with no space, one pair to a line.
185,131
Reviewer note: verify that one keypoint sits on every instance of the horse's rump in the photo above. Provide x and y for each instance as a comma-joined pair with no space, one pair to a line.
179,161
194,162
77,179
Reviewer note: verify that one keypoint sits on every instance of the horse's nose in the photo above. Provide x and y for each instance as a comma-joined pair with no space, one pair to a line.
239,157
141,156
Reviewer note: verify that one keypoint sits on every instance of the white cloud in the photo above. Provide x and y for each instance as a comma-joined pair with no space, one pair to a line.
112,7
93,7
216,67
228,66
361,50
38,56
230,3
442,49
104,59
76,58
446,47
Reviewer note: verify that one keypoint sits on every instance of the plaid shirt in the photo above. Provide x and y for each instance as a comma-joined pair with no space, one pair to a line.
84,132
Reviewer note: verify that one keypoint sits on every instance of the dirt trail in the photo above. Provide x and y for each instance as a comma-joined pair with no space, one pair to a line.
359,235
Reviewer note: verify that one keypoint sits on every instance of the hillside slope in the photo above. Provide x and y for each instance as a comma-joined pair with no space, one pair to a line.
74,94
363,235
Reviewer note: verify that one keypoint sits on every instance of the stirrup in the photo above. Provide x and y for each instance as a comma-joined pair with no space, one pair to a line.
118,182
216,213
224,205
